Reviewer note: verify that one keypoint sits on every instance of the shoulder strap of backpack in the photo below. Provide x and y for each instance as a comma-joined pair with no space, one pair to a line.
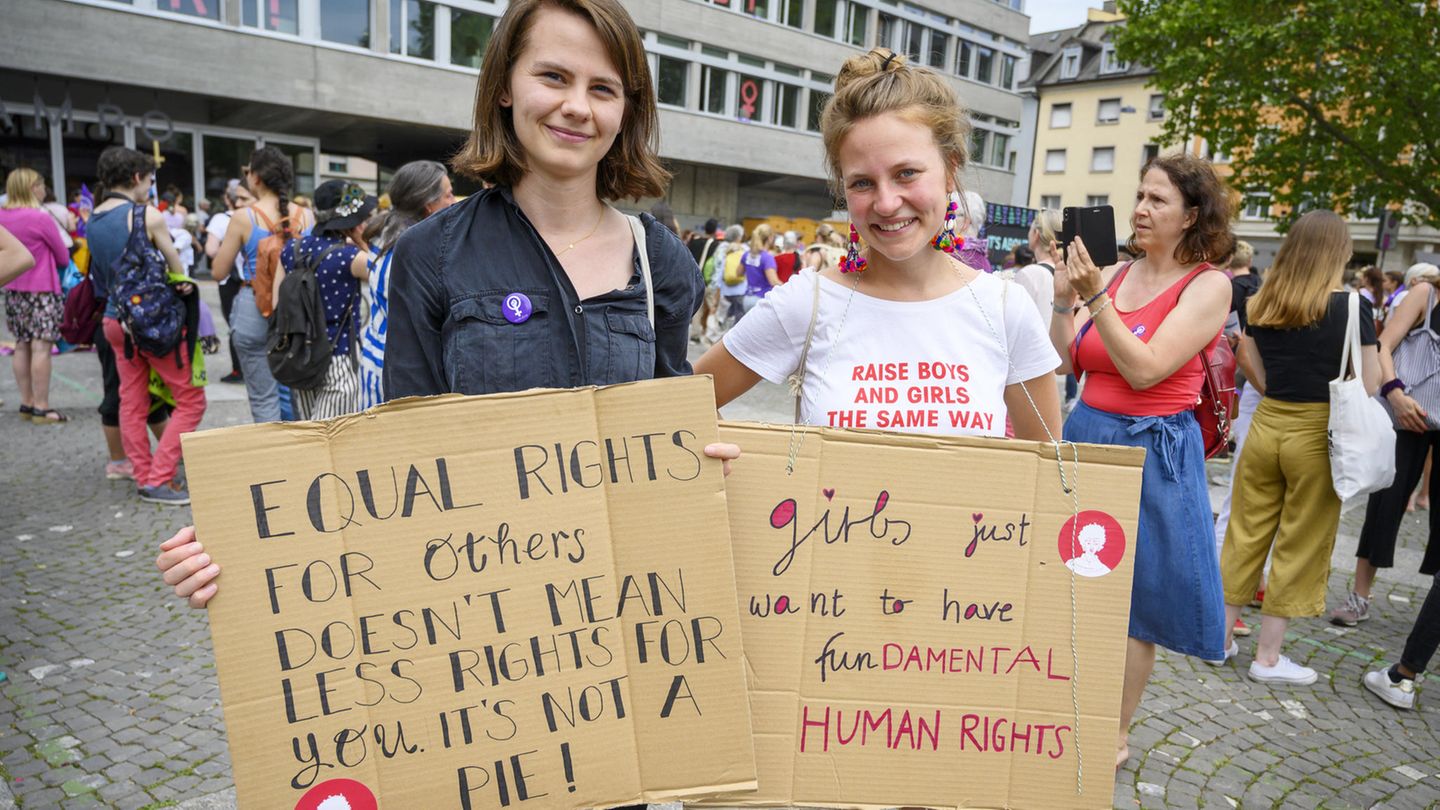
270,224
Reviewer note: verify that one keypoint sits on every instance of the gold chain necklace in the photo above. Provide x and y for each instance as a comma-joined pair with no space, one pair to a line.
572,245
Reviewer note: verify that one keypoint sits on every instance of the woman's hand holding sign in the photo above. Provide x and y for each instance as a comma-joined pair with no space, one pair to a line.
185,565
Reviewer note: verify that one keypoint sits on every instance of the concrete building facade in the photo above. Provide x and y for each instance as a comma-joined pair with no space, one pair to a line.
740,85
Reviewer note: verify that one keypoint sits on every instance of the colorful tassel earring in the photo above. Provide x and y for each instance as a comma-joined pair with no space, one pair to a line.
945,240
853,261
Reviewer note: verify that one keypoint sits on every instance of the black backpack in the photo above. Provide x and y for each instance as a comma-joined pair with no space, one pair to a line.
151,313
298,345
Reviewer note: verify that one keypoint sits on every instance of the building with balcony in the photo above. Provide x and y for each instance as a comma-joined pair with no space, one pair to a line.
740,85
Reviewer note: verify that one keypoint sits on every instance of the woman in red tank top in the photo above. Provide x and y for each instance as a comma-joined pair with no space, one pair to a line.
1142,328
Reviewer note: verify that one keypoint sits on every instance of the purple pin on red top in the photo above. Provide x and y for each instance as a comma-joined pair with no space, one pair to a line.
517,307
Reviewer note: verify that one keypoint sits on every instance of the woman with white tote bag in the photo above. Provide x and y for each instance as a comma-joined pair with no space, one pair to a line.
1312,442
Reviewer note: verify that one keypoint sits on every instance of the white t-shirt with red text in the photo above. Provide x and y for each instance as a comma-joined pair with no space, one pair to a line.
915,366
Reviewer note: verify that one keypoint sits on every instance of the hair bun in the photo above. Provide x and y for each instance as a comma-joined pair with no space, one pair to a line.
878,60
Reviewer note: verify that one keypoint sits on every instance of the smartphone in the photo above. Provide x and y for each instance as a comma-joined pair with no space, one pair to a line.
1094,225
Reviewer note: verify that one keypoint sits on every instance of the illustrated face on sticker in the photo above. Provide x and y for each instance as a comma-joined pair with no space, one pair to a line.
1091,544
338,794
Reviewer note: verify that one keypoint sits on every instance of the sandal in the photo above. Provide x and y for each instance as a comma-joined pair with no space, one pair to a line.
26,412
49,416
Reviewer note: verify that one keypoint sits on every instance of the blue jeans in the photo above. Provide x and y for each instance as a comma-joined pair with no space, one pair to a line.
247,334
1176,597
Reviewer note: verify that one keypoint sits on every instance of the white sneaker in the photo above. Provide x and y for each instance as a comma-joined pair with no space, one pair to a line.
1230,653
1285,671
1400,695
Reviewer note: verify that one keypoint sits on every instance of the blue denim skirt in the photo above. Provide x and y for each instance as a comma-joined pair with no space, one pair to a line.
1176,600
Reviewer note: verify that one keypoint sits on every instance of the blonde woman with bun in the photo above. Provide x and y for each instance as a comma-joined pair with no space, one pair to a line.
896,141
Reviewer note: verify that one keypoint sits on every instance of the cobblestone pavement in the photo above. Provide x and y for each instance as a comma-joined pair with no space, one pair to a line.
111,698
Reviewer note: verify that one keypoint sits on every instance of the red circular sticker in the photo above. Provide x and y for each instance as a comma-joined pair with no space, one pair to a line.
337,794
1092,544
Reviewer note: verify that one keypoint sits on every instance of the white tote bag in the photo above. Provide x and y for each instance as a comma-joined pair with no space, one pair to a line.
1362,440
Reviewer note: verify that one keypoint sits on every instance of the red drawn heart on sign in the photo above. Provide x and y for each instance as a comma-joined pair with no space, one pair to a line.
829,493
975,516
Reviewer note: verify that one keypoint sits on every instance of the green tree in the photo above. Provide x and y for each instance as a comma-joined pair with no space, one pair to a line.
1322,103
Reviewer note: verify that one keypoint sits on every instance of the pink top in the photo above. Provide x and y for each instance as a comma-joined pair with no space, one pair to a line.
1106,390
40,234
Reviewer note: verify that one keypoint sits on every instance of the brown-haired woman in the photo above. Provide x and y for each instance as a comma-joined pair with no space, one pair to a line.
271,178
896,141
1143,326
536,282
1285,504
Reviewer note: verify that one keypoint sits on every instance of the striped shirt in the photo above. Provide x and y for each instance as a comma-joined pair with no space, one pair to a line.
372,339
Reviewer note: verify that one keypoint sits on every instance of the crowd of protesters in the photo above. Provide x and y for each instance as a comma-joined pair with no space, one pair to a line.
419,298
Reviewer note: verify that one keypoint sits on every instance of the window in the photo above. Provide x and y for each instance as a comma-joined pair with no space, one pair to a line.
1150,152
670,81
338,166
209,9
1257,206
790,11
469,34
751,98
1054,161
979,143
914,36
1059,116
1109,111
757,8
826,13
964,58
1156,111
1109,62
712,89
345,22
1102,159
1096,200
984,64
999,149
1050,201
856,19
889,26
938,43
787,105
1007,71
281,16
1070,63
817,106
416,18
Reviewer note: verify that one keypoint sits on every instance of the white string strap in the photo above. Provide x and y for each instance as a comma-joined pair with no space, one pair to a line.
1073,490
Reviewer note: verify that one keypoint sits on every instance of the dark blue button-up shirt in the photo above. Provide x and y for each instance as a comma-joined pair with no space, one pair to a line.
447,327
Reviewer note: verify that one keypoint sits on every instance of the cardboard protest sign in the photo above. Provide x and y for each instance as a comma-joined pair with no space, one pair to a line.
907,610
477,602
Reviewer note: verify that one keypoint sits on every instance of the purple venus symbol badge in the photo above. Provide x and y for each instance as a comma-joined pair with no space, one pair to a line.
517,307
